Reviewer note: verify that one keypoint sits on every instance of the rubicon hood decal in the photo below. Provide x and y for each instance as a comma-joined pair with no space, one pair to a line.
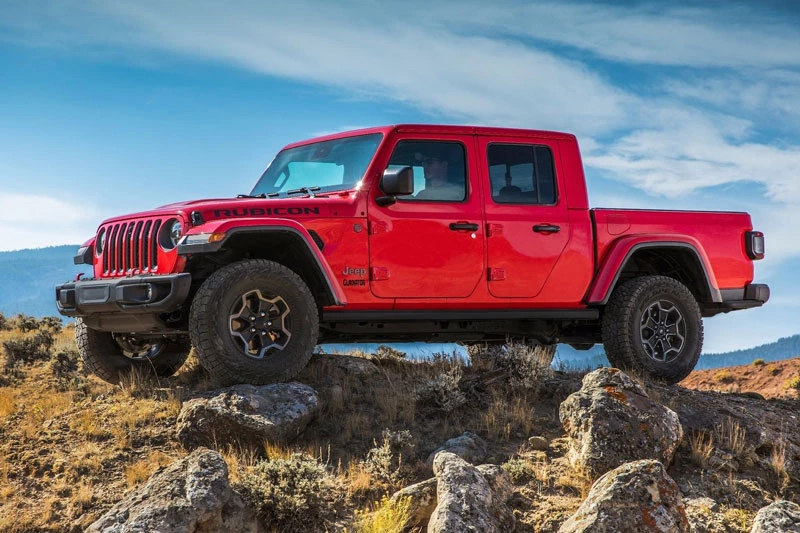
265,211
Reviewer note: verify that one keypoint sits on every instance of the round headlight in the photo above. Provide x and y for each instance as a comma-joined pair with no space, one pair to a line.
170,233
175,232
100,242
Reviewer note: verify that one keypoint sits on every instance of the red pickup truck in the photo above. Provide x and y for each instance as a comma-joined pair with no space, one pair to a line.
407,233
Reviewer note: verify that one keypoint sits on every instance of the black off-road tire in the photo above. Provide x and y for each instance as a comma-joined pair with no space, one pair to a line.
622,323
210,329
104,357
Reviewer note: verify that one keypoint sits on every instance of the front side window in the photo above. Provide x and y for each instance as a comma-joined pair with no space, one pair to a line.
522,174
440,170
321,167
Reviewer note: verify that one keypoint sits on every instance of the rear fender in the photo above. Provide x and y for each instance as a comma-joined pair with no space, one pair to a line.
226,230
626,247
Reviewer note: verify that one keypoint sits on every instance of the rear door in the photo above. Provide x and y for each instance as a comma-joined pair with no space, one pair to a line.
527,223
430,244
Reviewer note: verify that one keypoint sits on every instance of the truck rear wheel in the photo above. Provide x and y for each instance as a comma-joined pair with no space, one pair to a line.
110,356
653,325
254,321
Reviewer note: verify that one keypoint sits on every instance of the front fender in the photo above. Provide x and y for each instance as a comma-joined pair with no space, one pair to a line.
624,248
212,236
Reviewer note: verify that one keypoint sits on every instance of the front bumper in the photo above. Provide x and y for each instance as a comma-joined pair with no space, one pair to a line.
124,304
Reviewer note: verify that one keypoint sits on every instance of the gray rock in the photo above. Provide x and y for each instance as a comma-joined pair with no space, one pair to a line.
611,421
422,501
782,516
637,497
466,500
191,495
468,446
538,443
247,414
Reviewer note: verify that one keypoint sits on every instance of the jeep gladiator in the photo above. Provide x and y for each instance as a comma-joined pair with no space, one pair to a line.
407,233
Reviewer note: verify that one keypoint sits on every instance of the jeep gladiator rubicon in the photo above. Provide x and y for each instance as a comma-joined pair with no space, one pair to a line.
407,233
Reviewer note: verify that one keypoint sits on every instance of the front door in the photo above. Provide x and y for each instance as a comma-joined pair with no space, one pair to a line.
429,244
527,222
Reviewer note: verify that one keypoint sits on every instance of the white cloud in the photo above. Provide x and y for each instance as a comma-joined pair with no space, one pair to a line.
30,221
475,62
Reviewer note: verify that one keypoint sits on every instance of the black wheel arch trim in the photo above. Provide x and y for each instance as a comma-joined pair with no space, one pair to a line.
207,248
714,293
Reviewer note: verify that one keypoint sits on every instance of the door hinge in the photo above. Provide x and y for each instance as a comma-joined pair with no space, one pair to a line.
497,274
493,230
378,273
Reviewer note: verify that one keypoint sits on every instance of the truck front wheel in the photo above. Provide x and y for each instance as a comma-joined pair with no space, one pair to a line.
110,355
254,321
653,325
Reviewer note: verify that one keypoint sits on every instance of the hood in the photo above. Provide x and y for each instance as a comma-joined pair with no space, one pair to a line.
227,208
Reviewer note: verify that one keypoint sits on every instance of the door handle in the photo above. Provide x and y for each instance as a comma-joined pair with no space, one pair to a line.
463,226
546,228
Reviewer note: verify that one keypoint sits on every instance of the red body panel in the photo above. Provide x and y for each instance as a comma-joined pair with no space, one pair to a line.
405,256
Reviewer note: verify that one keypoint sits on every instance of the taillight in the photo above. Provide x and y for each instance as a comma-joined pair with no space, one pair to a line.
754,244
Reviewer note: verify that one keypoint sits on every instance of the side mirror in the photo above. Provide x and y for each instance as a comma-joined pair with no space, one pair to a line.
396,182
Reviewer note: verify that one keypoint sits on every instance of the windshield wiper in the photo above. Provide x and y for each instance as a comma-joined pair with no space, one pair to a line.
306,190
262,195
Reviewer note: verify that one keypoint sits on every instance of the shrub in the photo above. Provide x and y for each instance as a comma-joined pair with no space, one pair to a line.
385,462
774,370
25,323
289,494
3,322
28,349
443,390
53,323
724,376
759,362
387,352
793,383
65,367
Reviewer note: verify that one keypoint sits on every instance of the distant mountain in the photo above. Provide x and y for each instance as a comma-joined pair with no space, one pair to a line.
28,279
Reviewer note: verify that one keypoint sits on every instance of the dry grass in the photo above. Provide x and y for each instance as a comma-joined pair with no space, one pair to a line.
508,416
143,469
88,423
701,448
777,462
239,460
387,516
576,481
730,435
7,403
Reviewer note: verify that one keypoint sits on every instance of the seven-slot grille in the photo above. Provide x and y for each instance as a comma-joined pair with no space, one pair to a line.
131,246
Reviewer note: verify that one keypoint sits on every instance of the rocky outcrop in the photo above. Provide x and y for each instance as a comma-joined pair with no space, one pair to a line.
421,503
780,516
190,495
247,414
637,497
469,498
611,421
468,446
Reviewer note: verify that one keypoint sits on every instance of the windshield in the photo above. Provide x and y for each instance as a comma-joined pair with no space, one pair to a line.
319,167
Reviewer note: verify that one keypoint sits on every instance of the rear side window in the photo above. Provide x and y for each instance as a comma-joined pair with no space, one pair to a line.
522,174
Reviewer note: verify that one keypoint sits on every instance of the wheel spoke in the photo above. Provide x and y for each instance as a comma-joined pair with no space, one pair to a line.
662,331
261,324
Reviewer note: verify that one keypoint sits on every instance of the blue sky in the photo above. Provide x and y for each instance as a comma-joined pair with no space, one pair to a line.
110,107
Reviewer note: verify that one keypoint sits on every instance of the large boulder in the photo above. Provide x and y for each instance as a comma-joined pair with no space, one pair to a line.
469,498
247,414
637,497
191,495
611,420
468,446
421,499
780,516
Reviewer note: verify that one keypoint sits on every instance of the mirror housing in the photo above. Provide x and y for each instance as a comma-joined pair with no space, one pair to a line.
396,182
